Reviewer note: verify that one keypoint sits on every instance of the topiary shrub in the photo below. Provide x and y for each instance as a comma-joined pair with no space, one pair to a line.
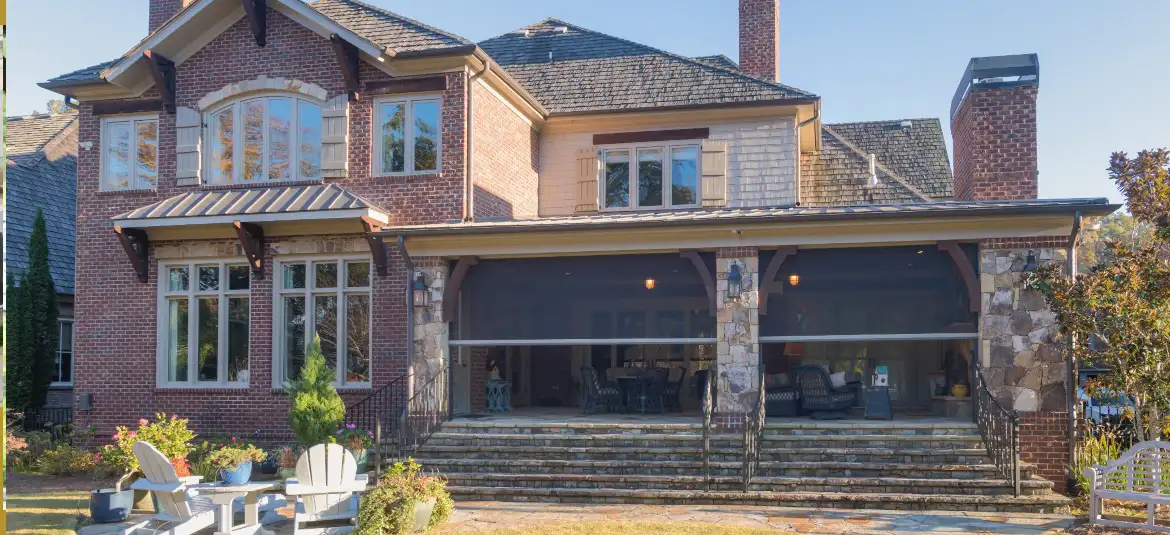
317,410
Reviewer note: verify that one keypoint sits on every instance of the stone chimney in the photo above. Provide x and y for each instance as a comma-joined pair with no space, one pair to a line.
162,10
759,38
993,129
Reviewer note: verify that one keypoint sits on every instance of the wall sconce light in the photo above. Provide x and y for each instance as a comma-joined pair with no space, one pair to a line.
420,290
794,279
734,282
1030,261
650,283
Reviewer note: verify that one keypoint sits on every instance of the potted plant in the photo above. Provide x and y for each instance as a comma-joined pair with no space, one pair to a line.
405,500
169,435
289,455
358,442
234,462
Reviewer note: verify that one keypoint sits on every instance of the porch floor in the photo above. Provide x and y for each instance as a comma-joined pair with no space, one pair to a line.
571,416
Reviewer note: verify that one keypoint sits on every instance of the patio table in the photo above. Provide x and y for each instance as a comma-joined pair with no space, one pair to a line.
222,495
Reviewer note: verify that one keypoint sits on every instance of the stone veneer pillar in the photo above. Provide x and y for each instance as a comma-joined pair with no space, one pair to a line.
738,337
430,327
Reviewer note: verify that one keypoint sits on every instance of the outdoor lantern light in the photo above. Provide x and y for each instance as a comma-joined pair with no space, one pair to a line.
420,290
794,279
734,282
1030,261
650,284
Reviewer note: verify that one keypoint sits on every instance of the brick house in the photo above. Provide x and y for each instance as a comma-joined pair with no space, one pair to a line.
544,202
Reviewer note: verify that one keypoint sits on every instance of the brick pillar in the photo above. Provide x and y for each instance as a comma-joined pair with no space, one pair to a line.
1044,443
479,359
737,329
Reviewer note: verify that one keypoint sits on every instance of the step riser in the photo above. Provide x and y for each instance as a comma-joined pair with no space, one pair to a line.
735,472
660,442
734,487
698,431
619,455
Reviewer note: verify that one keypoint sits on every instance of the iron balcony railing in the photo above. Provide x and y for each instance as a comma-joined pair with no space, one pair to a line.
1000,429
753,431
708,399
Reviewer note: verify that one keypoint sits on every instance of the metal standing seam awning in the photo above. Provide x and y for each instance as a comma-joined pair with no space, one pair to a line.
249,214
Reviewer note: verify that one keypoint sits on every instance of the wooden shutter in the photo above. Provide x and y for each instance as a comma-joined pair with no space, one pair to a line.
587,180
714,173
335,136
188,140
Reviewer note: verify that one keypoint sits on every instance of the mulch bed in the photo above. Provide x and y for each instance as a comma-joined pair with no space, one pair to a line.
21,483
1085,529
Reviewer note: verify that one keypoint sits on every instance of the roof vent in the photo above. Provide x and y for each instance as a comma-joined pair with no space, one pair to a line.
907,124
561,29
873,179
527,33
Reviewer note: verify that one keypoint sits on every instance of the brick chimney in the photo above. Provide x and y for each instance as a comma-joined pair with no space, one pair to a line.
993,129
162,10
759,38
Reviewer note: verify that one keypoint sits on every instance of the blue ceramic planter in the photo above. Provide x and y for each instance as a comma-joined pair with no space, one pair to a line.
106,505
239,476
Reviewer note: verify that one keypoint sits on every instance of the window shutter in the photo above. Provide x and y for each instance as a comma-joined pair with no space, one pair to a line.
714,173
335,136
587,180
188,139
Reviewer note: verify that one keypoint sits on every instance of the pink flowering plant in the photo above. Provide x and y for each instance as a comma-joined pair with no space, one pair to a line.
353,438
169,435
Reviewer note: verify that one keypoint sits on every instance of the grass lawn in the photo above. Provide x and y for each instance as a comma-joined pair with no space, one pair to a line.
46,514
630,528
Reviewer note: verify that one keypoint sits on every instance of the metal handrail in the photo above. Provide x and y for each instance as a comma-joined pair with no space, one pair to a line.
709,393
753,431
1000,429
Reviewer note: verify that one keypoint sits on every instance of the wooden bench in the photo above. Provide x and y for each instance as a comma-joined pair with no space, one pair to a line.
1141,475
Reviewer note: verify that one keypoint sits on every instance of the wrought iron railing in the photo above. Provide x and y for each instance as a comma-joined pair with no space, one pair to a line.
1000,429
401,424
753,431
424,413
708,395
377,411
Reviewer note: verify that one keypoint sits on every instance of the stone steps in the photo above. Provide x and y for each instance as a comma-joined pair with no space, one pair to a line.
1051,503
613,440
787,428
721,454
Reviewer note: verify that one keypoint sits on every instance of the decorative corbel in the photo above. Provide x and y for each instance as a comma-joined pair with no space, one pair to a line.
769,280
963,264
163,72
137,247
451,291
347,57
257,13
251,238
705,276
377,246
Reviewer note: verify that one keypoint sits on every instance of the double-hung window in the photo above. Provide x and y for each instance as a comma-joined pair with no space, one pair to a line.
129,152
328,298
204,324
649,176
408,135
266,138
63,375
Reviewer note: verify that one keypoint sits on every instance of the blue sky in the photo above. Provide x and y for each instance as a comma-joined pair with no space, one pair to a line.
1103,76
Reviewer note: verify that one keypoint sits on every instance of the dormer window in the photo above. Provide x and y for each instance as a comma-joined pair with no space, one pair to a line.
266,138
649,176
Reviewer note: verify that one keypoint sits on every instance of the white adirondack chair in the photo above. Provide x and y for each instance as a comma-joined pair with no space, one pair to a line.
325,488
181,510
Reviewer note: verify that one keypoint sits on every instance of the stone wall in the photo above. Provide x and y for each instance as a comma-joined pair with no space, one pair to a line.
431,329
737,334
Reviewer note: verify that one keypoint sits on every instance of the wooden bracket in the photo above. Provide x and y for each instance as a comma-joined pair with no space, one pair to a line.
451,291
137,247
163,72
251,238
257,13
963,264
377,246
347,57
705,276
768,281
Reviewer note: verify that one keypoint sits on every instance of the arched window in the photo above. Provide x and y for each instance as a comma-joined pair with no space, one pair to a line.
268,137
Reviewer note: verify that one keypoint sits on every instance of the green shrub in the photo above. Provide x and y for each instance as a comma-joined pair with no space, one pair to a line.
169,435
67,460
317,410
388,509
1099,445
231,457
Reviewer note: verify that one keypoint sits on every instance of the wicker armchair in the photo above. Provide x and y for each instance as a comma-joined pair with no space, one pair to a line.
598,393
818,396
782,401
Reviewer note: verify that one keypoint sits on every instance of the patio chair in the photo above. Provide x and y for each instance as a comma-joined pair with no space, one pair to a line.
180,510
670,395
599,393
648,395
326,488
818,396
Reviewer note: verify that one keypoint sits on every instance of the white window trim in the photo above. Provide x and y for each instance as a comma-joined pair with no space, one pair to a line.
164,293
133,119
236,104
279,371
73,342
408,133
633,148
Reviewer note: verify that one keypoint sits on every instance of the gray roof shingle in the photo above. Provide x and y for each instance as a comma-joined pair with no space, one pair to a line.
386,29
719,60
44,179
570,69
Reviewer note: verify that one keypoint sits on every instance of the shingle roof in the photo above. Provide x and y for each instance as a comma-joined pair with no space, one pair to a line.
251,201
570,69
81,76
45,180
911,159
719,60
386,29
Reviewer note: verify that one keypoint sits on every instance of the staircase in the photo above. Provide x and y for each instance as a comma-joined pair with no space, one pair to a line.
852,464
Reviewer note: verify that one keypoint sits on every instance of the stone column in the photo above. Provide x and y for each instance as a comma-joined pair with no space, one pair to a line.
430,327
738,338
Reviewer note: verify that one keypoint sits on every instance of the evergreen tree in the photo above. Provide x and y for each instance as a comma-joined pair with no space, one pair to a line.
18,373
33,325
317,410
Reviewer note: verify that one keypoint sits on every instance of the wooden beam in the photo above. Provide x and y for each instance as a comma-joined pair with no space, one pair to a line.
377,246
137,246
251,238
768,281
256,12
163,72
408,85
963,264
451,291
113,107
347,57
651,135
705,276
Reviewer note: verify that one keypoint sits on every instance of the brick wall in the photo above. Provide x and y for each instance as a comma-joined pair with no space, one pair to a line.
479,359
759,40
162,10
1044,443
116,314
505,159
994,138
